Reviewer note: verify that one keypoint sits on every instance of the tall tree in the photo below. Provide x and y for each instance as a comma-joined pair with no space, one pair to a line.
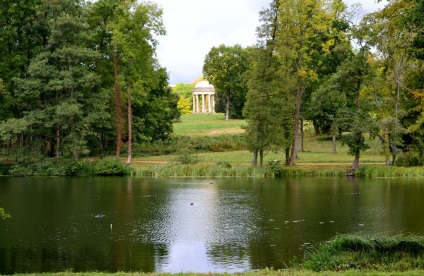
300,22
224,67
268,100
133,28
54,95
23,34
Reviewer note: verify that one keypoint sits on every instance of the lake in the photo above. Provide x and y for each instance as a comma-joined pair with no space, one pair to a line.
199,225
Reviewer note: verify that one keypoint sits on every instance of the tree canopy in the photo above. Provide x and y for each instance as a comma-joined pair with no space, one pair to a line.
81,70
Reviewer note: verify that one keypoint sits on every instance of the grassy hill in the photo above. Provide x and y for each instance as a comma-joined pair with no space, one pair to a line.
317,153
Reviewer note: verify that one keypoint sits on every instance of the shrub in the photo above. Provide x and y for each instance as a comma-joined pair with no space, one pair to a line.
110,166
52,167
4,169
3,214
185,157
409,159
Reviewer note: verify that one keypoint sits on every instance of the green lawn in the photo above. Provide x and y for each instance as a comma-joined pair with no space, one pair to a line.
317,153
207,125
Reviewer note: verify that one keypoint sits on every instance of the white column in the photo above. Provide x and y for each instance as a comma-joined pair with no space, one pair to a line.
209,103
203,103
194,103
213,103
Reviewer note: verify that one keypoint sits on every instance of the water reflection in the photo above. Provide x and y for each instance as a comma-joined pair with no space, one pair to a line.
200,222
135,224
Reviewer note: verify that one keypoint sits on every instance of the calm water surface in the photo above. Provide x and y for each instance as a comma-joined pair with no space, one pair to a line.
199,225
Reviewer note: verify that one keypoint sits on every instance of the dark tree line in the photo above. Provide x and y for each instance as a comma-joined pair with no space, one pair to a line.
81,77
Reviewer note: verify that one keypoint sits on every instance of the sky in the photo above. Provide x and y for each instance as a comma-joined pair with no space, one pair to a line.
194,26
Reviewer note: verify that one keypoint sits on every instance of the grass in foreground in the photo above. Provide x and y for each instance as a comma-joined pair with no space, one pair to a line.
370,253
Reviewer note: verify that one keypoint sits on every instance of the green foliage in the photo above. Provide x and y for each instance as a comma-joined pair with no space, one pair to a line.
52,167
389,171
184,90
268,105
110,166
187,157
70,167
409,159
355,140
3,214
224,164
4,169
154,113
224,67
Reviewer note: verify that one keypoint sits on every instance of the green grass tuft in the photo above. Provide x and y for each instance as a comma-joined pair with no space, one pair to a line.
380,253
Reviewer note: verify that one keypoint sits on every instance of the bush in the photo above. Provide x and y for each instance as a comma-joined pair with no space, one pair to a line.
3,214
409,159
70,167
110,166
52,167
185,157
4,169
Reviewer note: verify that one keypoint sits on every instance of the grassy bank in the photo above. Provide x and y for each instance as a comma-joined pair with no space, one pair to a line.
209,146
367,253
212,147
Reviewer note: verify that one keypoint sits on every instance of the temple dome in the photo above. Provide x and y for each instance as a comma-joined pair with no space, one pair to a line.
204,86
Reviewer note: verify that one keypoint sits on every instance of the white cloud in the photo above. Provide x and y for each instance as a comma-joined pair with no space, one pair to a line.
195,26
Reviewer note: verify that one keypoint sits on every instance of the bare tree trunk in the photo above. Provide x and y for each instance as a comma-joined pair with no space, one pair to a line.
334,143
255,158
129,127
388,161
57,142
227,109
117,105
301,136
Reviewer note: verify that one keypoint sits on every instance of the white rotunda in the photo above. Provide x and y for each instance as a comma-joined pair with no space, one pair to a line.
204,98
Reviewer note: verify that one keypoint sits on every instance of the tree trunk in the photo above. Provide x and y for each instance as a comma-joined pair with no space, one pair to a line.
293,154
355,164
334,144
301,136
261,157
117,105
388,161
57,142
316,129
227,109
288,156
255,158
129,127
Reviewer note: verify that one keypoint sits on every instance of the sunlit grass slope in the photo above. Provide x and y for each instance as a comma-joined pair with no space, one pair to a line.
207,125
317,149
